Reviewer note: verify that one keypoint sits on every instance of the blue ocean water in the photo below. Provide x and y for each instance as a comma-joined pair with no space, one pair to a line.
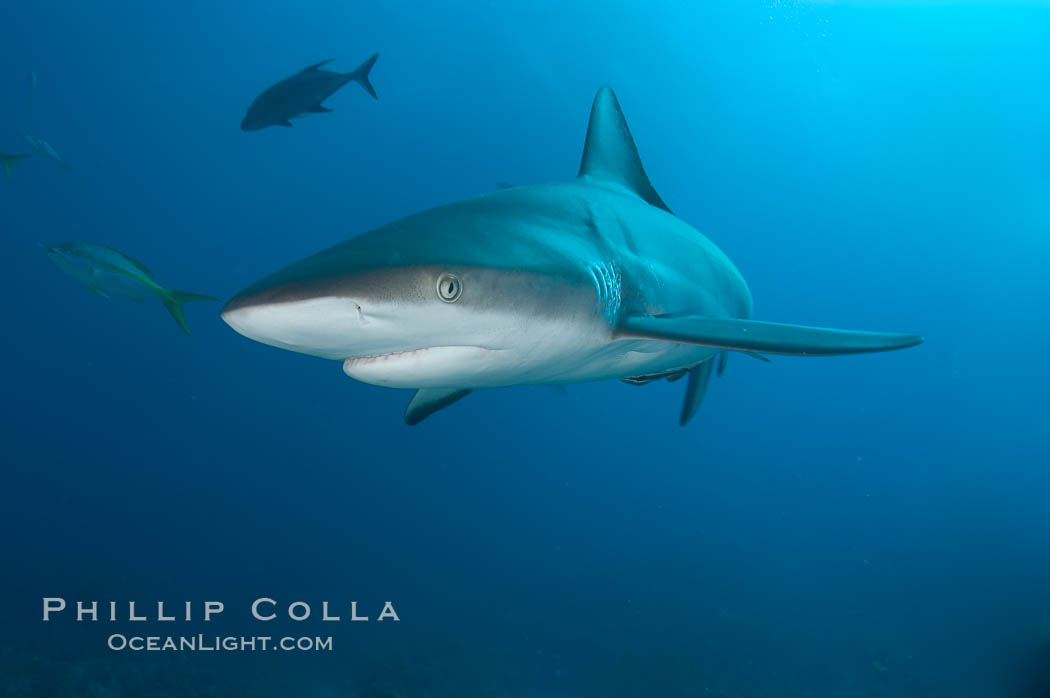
856,526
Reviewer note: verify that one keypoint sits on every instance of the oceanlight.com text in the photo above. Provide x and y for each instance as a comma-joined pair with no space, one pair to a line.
215,643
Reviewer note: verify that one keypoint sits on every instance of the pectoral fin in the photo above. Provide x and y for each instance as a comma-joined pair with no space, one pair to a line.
754,336
427,401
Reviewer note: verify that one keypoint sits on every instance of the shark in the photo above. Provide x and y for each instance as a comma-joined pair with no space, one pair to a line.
583,280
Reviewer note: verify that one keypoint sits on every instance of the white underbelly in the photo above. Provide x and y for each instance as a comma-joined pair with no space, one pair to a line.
508,349
480,367
633,357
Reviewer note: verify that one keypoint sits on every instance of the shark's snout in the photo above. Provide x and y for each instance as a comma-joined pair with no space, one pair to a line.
398,349
326,326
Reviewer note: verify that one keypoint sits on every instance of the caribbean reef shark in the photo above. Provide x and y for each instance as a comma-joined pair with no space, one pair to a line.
575,281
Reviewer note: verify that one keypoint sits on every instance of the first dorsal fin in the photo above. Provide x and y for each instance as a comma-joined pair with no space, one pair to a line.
609,154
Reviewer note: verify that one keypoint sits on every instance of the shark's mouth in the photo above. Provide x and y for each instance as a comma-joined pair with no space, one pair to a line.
422,367
352,361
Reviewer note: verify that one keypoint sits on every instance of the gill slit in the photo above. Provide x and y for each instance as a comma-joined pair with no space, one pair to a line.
608,286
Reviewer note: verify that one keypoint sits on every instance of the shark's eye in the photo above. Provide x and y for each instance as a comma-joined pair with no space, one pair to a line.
449,287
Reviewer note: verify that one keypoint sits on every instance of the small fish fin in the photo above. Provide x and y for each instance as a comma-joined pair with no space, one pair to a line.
361,75
174,300
756,355
752,335
9,160
315,66
286,122
427,401
609,153
723,357
699,376
318,109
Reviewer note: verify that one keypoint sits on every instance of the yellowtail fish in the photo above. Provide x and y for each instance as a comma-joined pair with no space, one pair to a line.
107,272
8,160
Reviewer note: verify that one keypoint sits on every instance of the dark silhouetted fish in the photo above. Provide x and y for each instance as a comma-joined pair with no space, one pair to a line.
302,94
